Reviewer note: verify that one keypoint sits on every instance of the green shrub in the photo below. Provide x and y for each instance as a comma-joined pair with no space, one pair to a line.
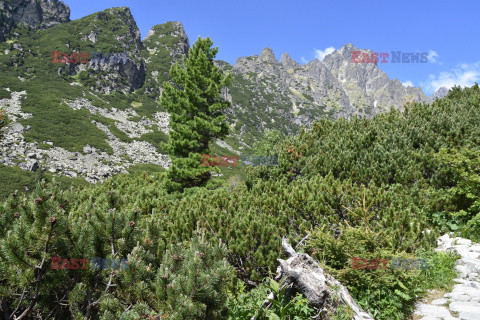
385,293
244,305
4,94
161,276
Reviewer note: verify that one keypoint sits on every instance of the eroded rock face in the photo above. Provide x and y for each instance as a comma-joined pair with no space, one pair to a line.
336,85
36,14
123,71
366,85
119,71
173,29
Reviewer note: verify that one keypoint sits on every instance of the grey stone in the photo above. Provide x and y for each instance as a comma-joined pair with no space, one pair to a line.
440,93
267,55
475,248
466,310
32,166
433,311
288,62
439,301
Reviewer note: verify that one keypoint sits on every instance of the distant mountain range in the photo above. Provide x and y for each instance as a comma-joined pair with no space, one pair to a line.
98,118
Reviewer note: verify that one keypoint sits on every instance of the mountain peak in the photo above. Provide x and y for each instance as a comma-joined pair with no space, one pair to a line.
267,55
288,62
171,32
440,93
171,28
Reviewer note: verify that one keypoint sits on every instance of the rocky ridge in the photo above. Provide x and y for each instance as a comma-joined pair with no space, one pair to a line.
265,93
36,14
123,70
335,86
94,165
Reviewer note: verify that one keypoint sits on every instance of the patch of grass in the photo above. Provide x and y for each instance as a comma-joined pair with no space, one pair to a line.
155,138
149,168
4,94
14,179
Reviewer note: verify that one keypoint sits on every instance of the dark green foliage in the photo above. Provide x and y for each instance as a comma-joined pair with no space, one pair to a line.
245,305
395,148
156,138
14,179
4,94
386,293
366,188
49,224
195,107
138,169
266,144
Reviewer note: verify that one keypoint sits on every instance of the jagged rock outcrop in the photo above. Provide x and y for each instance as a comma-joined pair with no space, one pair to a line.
267,55
34,13
292,96
123,71
172,29
440,93
165,44
119,71
288,62
368,87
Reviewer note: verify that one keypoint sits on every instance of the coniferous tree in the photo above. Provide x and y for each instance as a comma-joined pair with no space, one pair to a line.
195,106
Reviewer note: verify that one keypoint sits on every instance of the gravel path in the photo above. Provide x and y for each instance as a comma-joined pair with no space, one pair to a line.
464,300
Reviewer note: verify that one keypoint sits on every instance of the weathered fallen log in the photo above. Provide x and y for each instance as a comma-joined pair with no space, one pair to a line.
324,292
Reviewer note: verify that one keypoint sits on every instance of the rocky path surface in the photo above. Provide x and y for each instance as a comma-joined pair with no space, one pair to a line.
463,303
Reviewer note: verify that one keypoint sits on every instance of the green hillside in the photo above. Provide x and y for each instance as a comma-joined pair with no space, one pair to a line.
361,188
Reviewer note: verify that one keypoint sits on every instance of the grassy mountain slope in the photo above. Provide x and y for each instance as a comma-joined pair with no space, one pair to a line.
351,199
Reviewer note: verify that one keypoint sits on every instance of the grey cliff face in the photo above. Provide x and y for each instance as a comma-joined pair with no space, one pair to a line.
333,88
123,71
288,62
36,14
267,55
153,41
369,89
165,44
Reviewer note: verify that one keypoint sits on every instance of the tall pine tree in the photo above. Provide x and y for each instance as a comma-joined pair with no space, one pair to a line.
196,118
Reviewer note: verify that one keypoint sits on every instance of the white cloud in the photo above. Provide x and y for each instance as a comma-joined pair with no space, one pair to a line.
464,76
432,57
408,83
321,54
303,60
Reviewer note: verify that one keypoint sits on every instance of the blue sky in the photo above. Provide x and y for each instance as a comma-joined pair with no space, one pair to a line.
448,30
